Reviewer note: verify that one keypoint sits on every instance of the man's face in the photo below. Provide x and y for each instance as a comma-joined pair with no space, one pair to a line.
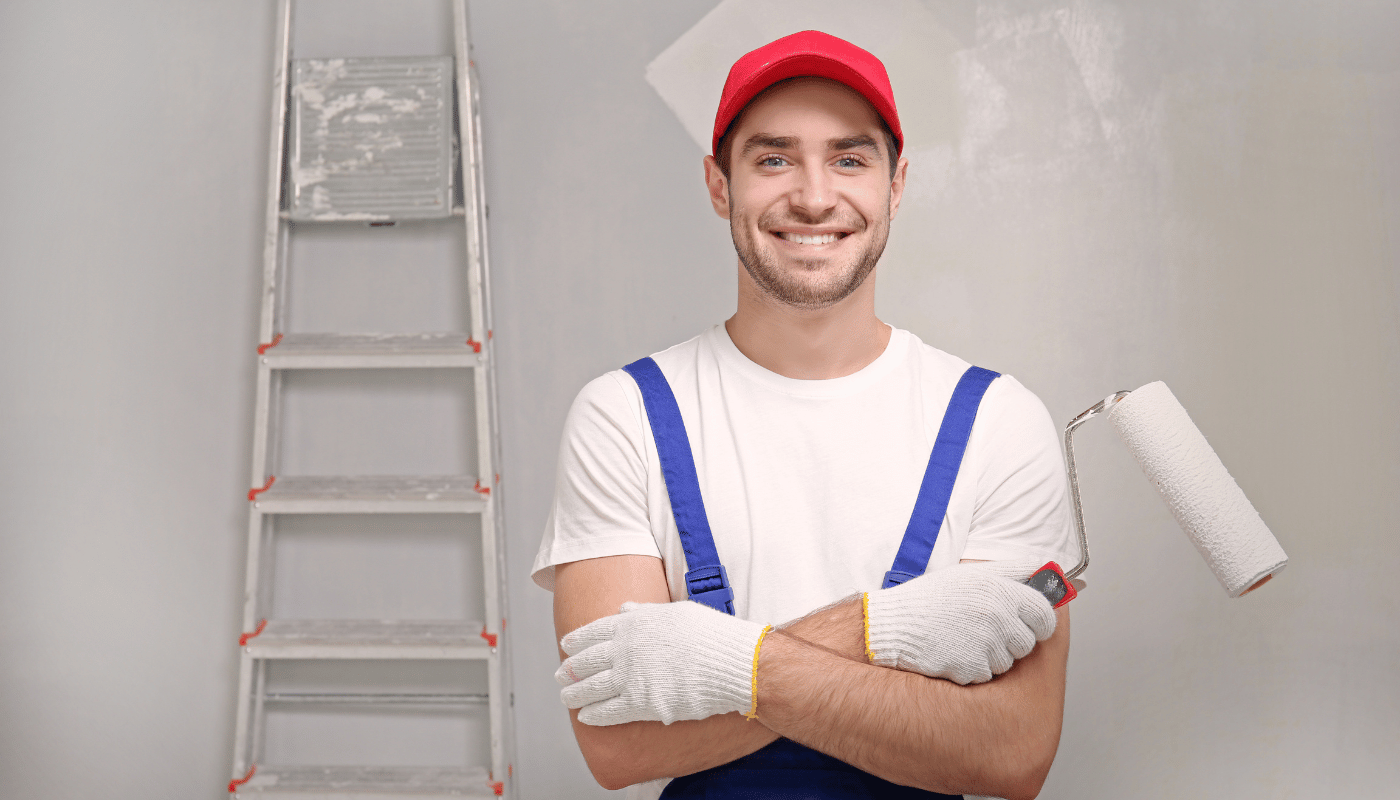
809,196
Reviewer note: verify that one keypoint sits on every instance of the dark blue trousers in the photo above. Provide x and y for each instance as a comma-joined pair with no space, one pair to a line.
785,770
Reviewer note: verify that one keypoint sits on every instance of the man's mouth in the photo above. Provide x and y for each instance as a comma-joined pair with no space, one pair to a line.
815,238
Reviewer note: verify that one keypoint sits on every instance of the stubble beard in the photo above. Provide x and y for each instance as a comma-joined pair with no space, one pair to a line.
834,285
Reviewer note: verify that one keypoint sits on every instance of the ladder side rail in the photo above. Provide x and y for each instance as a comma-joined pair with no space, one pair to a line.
501,689
274,250
257,572
262,419
474,227
493,400
242,731
484,238
486,435
468,136
257,561
275,229
479,187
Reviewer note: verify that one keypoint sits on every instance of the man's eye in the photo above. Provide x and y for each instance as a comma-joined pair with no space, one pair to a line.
849,162
772,161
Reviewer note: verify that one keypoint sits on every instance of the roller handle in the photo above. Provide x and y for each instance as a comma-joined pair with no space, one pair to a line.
1050,581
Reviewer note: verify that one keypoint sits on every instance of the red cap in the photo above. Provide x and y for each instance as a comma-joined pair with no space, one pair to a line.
807,54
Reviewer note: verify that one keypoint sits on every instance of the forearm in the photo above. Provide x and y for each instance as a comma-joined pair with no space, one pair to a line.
621,755
996,738
833,629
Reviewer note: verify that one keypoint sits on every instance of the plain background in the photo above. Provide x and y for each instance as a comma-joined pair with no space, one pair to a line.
1211,201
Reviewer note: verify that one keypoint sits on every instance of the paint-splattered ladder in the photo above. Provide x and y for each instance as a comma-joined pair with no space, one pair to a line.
371,141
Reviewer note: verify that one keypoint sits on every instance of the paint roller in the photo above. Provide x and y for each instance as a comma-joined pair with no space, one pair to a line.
1207,503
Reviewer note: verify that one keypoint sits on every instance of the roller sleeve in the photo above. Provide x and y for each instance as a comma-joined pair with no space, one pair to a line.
1207,503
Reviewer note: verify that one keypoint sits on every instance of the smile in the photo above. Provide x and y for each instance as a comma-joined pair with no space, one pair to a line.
818,238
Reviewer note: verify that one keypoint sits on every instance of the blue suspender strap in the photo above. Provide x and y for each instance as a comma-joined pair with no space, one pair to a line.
942,473
705,582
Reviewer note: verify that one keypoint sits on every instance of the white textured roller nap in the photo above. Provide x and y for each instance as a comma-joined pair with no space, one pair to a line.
1205,500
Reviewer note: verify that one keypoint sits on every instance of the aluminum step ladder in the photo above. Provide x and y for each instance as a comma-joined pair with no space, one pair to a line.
373,141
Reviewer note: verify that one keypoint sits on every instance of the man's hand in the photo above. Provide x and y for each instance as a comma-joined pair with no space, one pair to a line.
659,661
965,623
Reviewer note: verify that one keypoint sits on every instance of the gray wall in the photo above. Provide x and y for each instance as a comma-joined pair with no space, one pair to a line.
1117,192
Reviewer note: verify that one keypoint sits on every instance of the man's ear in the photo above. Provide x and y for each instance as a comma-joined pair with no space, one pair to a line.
897,186
718,186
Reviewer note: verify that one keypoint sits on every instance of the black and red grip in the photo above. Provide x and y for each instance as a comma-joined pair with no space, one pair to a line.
1050,581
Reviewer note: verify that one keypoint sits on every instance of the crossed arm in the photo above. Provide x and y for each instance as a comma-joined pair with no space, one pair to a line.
815,687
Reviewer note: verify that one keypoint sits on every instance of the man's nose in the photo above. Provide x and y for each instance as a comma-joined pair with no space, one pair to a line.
814,194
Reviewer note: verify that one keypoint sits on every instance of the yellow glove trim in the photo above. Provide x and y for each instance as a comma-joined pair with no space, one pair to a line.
865,611
753,709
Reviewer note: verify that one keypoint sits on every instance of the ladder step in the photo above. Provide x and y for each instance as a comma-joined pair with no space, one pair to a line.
369,639
372,351
377,698
366,783
457,211
372,494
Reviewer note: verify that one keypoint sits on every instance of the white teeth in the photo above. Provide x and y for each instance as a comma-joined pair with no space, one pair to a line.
825,238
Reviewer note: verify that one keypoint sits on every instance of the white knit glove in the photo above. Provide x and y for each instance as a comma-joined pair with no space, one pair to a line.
964,623
659,661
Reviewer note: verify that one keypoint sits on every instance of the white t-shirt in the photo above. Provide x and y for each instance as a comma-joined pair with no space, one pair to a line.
808,484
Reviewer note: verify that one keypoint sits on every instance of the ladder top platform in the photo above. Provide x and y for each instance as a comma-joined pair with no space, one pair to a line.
371,138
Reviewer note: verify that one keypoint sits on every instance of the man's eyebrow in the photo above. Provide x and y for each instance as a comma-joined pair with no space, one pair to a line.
767,141
861,142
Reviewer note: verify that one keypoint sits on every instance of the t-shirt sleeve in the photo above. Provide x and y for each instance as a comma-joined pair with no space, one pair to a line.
1022,505
600,492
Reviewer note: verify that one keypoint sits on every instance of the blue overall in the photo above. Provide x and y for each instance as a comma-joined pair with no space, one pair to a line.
785,769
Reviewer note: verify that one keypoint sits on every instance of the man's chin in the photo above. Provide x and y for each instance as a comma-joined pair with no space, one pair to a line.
811,282
805,285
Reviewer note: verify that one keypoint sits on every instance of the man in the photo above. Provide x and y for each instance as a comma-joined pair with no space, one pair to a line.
770,469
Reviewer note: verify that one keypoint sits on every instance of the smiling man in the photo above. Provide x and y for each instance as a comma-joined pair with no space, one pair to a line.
787,555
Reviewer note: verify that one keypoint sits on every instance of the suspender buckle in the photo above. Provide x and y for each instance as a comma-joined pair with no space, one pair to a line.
894,578
709,586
